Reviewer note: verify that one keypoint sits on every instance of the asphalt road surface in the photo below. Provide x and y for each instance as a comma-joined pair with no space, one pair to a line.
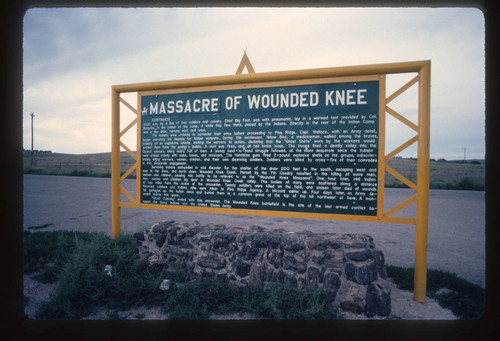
456,220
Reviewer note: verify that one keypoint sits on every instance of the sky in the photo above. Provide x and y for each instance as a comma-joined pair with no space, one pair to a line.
72,57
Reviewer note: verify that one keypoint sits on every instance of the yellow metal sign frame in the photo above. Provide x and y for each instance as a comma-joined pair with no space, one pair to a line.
299,77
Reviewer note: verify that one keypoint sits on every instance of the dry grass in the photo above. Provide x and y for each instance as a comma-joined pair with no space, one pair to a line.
75,164
443,174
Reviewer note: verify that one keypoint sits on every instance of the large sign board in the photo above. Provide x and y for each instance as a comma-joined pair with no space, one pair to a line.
305,143
276,146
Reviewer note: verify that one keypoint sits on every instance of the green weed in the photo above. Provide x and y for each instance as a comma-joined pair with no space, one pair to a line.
45,251
202,297
83,284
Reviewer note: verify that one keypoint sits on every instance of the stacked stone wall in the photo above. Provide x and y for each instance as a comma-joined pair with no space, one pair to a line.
348,267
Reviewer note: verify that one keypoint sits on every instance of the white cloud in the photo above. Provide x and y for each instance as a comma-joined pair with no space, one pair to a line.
72,57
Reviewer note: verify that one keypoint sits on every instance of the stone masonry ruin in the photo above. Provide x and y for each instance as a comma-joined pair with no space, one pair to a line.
348,267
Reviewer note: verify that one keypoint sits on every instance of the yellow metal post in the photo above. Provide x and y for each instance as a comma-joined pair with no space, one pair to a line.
381,149
420,280
115,164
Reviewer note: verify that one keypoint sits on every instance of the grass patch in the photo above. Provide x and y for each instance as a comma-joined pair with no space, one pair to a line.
76,260
464,299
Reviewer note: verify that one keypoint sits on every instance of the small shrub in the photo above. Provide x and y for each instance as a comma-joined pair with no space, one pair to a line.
85,173
83,283
468,184
33,170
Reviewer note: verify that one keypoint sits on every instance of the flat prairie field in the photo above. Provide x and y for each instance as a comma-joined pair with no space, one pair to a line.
443,174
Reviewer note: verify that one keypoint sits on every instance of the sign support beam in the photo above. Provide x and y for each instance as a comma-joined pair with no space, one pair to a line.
423,165
115,164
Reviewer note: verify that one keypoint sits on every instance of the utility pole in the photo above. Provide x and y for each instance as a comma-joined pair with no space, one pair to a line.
32,115
465,149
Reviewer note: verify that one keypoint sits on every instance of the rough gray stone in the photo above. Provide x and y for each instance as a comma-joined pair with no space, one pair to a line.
139,238
331,282
290,263
316,243
354,299
362,273
348,268
358,255
212,261
193,231
378,299
379,262
170,249
293,244
335,243
161,240
242,269
312,278
249,251
222,239
162,226
256,276
333,258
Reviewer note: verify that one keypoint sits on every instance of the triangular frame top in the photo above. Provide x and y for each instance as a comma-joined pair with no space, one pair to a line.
245,62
